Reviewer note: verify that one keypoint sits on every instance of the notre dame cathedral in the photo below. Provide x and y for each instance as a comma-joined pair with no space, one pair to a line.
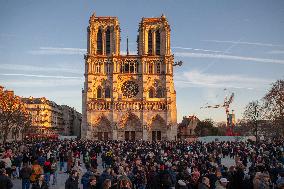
129,97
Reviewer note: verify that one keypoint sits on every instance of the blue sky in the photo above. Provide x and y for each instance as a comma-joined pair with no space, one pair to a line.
237,45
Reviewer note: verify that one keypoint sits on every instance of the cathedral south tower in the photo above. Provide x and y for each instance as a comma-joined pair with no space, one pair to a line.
129,97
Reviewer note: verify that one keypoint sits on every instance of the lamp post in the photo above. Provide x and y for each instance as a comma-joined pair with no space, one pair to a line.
255,110
255,122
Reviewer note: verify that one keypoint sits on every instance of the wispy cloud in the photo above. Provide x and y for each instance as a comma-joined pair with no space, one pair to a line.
246,43
41,83
276,52
195,49
58,51
43,76
37,68
196,78
229,57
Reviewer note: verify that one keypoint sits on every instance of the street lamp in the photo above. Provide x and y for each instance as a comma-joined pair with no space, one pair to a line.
255,122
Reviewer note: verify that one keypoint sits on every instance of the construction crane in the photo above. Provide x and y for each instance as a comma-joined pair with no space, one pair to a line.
226,105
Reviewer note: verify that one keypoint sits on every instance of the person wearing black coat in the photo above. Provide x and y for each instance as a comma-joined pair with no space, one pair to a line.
73,181
40,183
93,183
25,174
5,181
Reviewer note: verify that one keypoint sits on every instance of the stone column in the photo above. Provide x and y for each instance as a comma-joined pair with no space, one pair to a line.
153,42
104,41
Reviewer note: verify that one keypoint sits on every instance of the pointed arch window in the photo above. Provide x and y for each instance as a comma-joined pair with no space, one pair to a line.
160,93
107,92
99,42
151,93
98,68
150,68
158,43
150,47
108,68
126,67
99,92
108,41
158,68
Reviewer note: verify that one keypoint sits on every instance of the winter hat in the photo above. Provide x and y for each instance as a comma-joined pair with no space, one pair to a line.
181,183
224,180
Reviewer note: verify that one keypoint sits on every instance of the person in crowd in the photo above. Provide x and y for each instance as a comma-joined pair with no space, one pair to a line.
105,175
25,174
8,164
205,183
18,159
5,181
93,183
47,170
106,184
36,171
85,180
40,183
125,184
53,170
72,181
280,180
222,183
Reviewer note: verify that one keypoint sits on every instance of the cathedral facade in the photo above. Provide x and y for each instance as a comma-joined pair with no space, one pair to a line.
129,97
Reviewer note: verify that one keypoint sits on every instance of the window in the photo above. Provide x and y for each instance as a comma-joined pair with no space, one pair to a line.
150,42
108,41
160,93
158,44
132,67
99,92
98,68
136,67
107,92
158,67
122,68
129,67
99,42
126,67
151,93
150,68
108,68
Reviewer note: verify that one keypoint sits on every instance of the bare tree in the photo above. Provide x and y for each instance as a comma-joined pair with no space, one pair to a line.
274,106
253,114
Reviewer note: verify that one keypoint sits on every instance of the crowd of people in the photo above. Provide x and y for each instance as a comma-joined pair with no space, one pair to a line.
142,164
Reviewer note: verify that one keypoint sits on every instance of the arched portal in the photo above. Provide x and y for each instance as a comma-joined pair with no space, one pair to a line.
157,128
130,127
102,128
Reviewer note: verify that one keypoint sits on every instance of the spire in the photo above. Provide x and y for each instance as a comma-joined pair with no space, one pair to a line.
127,51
